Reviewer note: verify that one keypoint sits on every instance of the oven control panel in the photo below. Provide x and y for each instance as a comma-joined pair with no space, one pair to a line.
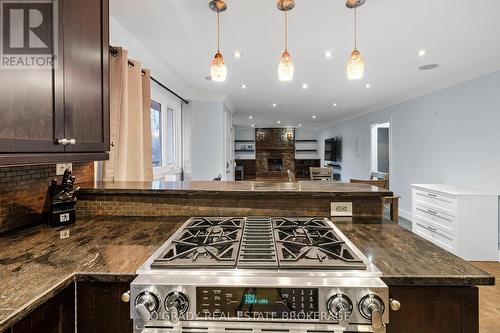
257,303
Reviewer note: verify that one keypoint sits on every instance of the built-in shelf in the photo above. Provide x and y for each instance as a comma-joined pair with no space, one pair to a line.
306,141
306,150
245,151
243,141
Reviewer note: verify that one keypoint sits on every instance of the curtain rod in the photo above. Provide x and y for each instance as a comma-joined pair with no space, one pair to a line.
114,53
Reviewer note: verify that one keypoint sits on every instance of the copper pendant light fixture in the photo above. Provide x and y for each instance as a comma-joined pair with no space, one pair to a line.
286,68
218,68
355,65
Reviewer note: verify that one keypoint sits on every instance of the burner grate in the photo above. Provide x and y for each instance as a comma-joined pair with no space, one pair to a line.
311,243
204,243
257,246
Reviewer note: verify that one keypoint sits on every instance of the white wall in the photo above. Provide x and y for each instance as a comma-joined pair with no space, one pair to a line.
203,126
451,136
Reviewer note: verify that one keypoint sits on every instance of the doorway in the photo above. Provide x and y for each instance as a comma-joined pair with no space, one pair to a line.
381,147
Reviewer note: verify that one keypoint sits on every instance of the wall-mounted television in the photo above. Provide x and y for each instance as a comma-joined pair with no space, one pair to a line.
333,149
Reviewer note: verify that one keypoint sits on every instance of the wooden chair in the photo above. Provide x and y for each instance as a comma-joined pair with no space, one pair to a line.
381,179
378,179
325,174
291,176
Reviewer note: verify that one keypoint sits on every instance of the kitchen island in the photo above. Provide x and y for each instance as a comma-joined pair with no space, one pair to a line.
211,198
101,255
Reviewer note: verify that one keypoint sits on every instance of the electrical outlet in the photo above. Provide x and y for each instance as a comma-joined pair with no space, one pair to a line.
341,209
61,167
64,234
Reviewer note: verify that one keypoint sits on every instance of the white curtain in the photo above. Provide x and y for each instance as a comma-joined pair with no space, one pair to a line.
130,120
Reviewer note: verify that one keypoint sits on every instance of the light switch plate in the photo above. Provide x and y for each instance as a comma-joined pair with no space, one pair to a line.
63,166
342,209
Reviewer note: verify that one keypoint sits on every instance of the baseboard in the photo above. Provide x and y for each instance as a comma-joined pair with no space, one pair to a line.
405,214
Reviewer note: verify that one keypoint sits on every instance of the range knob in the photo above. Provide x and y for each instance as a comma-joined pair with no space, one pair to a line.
146,304
340,307
372,307
176,304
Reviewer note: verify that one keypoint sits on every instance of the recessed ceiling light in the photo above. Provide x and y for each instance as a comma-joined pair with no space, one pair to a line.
314,117
237,54
253,125
334,105
275,105
279,122
300,125
243,86
250,117
428,67
421,52
305,86
328,54
368,86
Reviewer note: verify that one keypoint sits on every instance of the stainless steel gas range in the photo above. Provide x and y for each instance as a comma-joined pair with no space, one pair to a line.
258,274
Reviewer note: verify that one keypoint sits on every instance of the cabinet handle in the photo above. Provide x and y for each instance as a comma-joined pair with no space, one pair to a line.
63,142
66,142
125,297
431,195
395,305
433,212
432,229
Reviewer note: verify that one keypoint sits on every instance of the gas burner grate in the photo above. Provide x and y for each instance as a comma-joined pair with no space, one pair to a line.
311,243
205,242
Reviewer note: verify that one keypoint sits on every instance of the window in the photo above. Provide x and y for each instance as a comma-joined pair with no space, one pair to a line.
156,133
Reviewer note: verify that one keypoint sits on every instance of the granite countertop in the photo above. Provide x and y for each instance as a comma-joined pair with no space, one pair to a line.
36,263
407,259
246,188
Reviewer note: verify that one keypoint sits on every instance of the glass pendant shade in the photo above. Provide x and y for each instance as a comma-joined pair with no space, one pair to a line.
286,68
218,68
355,66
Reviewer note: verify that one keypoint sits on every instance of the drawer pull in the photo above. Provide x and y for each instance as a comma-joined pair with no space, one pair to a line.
431,195
433,212
125,297
395,305
431,228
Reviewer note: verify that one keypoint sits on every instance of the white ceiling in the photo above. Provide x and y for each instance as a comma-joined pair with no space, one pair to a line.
460,35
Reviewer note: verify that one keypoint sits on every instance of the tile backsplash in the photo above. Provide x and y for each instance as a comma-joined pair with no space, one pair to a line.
23,191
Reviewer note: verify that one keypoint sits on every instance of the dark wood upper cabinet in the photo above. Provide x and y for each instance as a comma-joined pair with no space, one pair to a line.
71,101
85,29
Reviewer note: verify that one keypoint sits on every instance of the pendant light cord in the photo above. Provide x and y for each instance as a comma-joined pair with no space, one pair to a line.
355,30
286,31
218,31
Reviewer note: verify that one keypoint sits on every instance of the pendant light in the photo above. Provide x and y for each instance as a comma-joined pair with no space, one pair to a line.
286,68
355,66
218,68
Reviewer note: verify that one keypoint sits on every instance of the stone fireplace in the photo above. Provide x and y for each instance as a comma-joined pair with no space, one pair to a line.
275,152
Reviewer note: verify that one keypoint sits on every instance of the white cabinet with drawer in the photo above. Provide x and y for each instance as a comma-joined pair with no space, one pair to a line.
462,221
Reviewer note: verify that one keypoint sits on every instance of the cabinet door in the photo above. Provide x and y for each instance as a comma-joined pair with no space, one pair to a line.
57,315
31,111
435,310
100,309
86,52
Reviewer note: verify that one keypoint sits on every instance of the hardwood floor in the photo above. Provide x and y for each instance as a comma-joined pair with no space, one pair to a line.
489,305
